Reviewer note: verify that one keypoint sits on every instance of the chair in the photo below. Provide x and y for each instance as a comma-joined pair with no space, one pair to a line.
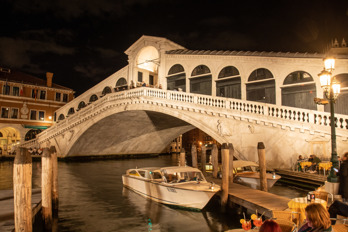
287,215
286,225
323,195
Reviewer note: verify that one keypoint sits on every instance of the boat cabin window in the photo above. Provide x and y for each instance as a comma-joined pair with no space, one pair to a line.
133,173
195,176
142,173
156,175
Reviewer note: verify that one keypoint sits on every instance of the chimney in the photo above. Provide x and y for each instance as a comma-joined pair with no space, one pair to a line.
49,77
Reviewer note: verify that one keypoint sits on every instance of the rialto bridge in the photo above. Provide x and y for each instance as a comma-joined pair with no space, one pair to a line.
236,97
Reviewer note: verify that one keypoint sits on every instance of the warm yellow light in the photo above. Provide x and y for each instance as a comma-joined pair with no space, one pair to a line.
200,143
49,117
325,79
336,88
329,64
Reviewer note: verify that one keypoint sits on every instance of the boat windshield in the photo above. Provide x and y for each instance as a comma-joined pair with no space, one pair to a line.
179,177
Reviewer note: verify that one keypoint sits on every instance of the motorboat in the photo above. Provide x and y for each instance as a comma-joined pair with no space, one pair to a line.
245,174
179,186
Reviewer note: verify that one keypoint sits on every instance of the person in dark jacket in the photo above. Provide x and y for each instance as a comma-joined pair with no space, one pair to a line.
343,175
338,208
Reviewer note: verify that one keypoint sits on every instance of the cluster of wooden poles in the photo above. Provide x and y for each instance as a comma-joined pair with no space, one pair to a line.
227,154
22,188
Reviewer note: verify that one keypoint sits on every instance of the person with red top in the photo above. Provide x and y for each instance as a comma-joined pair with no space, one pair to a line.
270,226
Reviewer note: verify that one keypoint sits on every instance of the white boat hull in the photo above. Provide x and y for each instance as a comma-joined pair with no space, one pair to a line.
253,181
188,195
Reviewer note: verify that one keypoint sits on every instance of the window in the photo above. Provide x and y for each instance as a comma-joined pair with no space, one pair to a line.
34,93
43,95
93,98
15,91
140,77
82,104
42,115
151,80
4,112
14,113
32,114
58,96
65,97
6,89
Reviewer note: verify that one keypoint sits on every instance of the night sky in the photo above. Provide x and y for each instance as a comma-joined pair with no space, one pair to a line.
83,41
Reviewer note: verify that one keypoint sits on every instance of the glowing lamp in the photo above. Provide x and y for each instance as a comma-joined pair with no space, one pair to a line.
329,64
325,79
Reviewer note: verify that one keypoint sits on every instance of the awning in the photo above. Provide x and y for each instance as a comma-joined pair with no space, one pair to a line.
36,127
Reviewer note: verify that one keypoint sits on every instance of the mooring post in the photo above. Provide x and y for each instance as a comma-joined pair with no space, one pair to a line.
231,154
262,164
194,156
22,174
55,196
182,161
46,188
203,159
215,160
225,156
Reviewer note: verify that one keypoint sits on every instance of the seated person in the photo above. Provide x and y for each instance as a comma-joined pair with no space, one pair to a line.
300,159
315,161
338,208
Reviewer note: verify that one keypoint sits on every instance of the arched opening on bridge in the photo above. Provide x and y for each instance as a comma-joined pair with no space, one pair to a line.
229,83
341,101
121,84
81,105
93,98
106,90
9,139
71,111
261,86
147,63
61,117
176,78
31,134
200,81
297,88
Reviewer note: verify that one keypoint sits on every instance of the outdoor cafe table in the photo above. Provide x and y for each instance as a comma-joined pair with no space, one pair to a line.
300,203
325,166
305,164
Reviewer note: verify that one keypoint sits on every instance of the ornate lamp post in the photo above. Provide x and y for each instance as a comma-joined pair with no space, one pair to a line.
331,90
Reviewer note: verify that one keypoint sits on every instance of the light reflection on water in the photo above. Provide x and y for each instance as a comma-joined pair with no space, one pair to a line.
92,198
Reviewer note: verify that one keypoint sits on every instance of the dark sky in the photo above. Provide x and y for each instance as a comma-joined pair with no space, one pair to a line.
83,41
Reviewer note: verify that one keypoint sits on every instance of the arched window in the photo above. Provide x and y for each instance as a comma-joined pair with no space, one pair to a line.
81,105
121,84
71,111
176,78
106,90
93,98
200,81
299,91
261,86
229,83
1,135
61,117
342,99
31,134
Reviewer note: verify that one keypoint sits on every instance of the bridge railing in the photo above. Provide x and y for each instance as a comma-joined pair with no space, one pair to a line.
285,113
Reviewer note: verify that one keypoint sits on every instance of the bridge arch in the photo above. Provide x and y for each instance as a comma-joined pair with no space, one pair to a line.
201,80
176,78
261,86
106,90
93,98
228,83
121,84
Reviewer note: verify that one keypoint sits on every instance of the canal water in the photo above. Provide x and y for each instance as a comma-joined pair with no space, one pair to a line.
92,198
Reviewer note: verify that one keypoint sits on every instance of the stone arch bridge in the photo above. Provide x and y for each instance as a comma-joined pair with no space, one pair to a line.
145,120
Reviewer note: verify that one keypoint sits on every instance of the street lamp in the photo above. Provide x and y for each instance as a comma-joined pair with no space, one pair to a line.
331,90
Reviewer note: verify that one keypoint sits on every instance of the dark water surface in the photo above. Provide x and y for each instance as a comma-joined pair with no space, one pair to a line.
92,198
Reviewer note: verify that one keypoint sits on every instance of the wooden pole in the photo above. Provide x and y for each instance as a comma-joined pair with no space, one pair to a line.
182,161
55,197
231,153
194,156
203,159
46,189
22,173
225,155
262,164
215,160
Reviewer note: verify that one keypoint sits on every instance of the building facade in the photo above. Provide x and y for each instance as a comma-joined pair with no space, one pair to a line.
27,106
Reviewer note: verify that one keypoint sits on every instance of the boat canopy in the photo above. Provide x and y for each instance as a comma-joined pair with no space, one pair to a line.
176,169
244,163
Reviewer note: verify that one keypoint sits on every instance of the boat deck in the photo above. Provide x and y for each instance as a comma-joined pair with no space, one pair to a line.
254,199
301,179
